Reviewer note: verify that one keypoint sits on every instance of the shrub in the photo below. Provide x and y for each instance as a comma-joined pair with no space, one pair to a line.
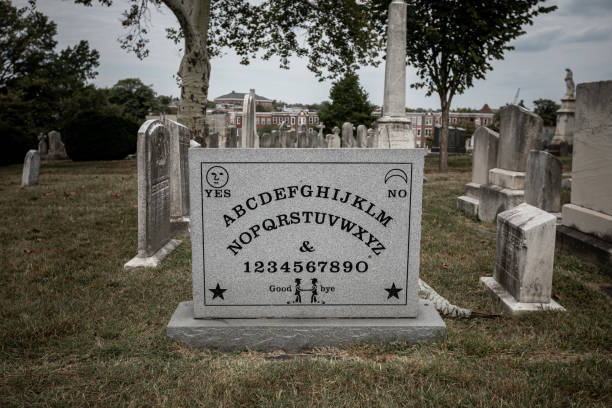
100,136
15,144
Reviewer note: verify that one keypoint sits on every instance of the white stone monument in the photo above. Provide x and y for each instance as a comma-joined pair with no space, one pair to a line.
522,279
290,246
393,129
520,132
590,211
543,181
153,152
484,158
31,168
563,139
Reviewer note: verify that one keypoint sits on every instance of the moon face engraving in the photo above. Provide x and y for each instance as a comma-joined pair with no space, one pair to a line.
217,177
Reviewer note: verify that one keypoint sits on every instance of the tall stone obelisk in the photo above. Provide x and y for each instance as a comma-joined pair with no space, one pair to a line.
393,129
563,139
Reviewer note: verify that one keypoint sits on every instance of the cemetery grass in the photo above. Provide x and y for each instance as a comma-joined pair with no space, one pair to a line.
78,330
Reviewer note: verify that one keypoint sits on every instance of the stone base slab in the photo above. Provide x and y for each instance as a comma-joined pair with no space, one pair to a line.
472,190
588,221
495,199
299,334
510,304
514,180
468,205
574,241
153,261
179,227
394,133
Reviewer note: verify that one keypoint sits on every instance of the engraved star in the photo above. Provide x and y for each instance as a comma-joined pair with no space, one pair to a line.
393,291
217,292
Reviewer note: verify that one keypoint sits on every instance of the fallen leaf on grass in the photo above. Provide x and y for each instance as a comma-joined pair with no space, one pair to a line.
86,242
116,195
70,195
557,297
445,266
28,251
49,193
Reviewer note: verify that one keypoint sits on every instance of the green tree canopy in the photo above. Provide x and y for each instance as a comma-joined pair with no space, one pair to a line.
451,44
349,103
547,110
134,98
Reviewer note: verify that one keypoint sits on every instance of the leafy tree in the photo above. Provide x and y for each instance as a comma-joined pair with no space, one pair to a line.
336,36
547,110
135,98
349,103
262,108
450,44
38,83
163,104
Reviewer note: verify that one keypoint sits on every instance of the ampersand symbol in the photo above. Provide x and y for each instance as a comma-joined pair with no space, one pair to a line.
306,247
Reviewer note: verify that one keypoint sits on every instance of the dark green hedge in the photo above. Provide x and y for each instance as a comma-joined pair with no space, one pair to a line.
15,142
99,136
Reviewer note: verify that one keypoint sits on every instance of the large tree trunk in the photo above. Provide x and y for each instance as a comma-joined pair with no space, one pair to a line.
194,71
443,167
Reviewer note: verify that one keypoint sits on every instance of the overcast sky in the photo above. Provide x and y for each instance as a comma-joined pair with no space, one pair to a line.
577,36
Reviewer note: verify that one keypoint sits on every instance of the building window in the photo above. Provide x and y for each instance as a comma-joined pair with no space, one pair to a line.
316,119
238,120
454,120
269,120
293,120
428,121
418,132
427,132
485,121
419,120
274,120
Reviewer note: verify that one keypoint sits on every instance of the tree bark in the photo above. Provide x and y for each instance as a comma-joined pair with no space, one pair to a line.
443,165
194,71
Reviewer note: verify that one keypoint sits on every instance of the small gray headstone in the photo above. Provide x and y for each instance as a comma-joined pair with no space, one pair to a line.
362,136
348,139
484,157
371,142
302,140
57,151
212,141
31,168
543,181
43,145
232,138
525,253
333,140
291,138
275,139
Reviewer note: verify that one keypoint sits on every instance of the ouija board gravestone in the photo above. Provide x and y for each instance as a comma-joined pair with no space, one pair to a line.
299,234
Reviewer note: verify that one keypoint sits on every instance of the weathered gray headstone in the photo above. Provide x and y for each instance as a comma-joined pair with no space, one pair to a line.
31,168
321,142
314,237
333,140
522,278
57,151
543,181
371,142
590,211
520,132
178,171
484,158
291,138
153,156
275,139
212,141
348,139
232,138
362,136
43,145
265,141
303,139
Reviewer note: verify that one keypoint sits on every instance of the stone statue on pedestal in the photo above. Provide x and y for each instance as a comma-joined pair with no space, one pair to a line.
569,84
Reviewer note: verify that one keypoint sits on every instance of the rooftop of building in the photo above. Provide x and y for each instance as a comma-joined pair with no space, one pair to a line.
240,96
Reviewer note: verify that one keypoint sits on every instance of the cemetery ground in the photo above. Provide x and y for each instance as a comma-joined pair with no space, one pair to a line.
77,329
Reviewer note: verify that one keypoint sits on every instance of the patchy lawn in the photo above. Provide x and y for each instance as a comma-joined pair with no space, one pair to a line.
78,330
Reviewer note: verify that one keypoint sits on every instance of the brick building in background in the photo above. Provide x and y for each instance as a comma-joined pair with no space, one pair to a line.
236,99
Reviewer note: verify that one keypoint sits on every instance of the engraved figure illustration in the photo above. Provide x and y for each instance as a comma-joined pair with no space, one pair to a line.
315,291
298,290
